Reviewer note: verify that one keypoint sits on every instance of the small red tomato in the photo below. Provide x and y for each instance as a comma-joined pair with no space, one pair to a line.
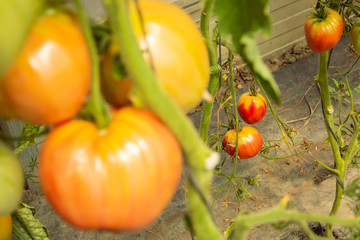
252,108
118,178
323,30
249,142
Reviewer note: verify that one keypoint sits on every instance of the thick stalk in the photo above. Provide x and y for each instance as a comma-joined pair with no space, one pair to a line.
214,82
328,111
200,159
95,105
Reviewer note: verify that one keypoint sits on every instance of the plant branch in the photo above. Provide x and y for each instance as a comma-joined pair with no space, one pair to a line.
199,157
214,82
95,105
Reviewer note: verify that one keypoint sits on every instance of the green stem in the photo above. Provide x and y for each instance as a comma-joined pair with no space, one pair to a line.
214,82
328,111
342,125
95,105
199,157
279,122
278,214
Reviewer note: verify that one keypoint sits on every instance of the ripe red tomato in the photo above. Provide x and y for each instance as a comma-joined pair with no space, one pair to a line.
252,108
49,81
5,227
323,32
178,52
355,36
249,142
119,178
11,180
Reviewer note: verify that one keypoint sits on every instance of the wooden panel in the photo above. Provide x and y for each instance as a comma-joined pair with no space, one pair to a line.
287,24
276,4
287,11
282,43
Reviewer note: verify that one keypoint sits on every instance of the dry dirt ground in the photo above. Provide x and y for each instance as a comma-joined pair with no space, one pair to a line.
310,185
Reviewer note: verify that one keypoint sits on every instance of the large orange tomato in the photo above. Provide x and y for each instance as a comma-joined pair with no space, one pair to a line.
174,46
249,142
117,178
49,81
5,227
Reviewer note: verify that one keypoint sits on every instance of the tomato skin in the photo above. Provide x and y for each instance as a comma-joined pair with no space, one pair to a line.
252,108
50,79
249,142
179,54
11,180
116,89
355,35
323,34
5,227
119,178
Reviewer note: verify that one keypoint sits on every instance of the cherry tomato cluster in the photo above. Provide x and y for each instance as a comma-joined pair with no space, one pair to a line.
123,176
251,108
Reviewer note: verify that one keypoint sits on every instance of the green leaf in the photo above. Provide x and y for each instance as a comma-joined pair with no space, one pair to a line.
16,18
28,137
357,90
241,19
331,89
249,52
336,82
229,229
27,223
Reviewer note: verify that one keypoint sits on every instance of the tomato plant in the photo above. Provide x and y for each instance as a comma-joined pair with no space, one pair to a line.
174,47
249,142
5,227
11,180
49,80
323,29
117,178
355,35
251,107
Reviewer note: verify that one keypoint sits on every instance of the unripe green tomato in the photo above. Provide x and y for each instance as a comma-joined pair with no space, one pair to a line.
11,180
355,35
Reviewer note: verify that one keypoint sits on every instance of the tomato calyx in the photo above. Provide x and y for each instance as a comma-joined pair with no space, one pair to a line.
253,91
320,13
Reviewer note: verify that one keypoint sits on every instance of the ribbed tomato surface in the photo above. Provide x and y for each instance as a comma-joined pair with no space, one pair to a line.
249,142
323,32
118,178
174,46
